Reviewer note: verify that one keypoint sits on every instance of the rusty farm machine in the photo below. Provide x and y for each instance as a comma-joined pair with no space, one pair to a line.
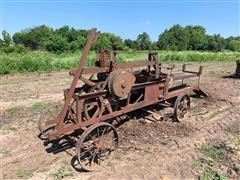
117,89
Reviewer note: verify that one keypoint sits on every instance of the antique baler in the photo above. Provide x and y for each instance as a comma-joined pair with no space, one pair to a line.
111,90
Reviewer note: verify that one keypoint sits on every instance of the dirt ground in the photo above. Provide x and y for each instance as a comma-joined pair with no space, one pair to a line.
206,145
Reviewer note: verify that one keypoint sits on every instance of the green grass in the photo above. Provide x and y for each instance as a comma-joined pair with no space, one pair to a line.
62,172
25,174
42,61
39,106
8,128
15,109
213,152
208,165
207,170
196,110
5,152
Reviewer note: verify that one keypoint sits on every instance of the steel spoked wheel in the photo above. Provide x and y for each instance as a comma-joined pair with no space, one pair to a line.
46,122
96,107
95,145
181,107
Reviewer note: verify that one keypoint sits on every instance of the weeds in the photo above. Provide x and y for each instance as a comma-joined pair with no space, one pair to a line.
25,174
213,152
43,170
212,73
208,167
42,61
44,79
235,141
6,129
39,106
196,110
62,172
213,175
5,152
15,109
214,114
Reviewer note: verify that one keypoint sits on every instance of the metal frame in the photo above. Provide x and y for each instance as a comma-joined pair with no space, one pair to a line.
151,86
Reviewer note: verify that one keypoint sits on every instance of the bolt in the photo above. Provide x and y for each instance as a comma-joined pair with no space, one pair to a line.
123,84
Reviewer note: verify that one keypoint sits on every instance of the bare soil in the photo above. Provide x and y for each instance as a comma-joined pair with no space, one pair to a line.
152,145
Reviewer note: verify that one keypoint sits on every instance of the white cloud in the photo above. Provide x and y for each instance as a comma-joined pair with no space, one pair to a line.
146,22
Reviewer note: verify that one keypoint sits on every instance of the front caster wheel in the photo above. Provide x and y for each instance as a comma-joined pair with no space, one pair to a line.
95,145
181,107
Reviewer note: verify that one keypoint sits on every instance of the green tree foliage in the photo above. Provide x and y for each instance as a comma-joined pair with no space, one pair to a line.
143,41
6,39
56,44
109,41
231,43
79,43
132,44
154,46
102,42
71,34
176,38
6,42
33,38
1,43
215,43
197,37
234,45
70,39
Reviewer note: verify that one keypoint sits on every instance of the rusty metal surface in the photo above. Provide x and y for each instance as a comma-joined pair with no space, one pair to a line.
121,83
95,144
115,89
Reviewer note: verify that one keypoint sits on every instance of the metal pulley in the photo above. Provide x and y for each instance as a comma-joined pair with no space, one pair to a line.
121,83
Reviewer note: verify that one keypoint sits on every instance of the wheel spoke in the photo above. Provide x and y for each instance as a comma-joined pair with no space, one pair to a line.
102,133
82,153
88,159
98,132
181,107
101,145
96,113
92,161
93,138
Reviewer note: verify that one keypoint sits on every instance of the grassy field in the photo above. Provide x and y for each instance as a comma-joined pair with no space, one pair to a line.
40,61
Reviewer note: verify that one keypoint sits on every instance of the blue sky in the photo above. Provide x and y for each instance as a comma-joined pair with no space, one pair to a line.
126,18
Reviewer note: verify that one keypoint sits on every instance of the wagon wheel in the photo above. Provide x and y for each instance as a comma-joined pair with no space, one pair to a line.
95,145
49,115
47,120
181,107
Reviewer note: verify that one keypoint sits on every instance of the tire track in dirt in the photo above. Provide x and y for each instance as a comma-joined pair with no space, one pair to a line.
211,131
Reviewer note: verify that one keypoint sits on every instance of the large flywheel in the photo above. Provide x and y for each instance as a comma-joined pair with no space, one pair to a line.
120,83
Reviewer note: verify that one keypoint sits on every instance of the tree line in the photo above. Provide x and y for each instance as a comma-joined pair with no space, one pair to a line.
69,39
